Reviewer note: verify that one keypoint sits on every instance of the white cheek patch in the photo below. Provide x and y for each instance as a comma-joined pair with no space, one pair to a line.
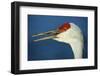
61,37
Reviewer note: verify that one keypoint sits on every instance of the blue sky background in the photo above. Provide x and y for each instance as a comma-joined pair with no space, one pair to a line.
51,49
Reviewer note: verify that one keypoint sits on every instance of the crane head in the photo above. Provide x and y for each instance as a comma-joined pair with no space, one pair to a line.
62,35
67,33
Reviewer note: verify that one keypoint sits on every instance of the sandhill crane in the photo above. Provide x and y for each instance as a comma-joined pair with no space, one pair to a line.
68,33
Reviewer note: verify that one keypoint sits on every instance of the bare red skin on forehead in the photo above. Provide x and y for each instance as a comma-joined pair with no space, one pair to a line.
64,27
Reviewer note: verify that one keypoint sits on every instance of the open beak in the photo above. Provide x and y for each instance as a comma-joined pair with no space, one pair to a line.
48,35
